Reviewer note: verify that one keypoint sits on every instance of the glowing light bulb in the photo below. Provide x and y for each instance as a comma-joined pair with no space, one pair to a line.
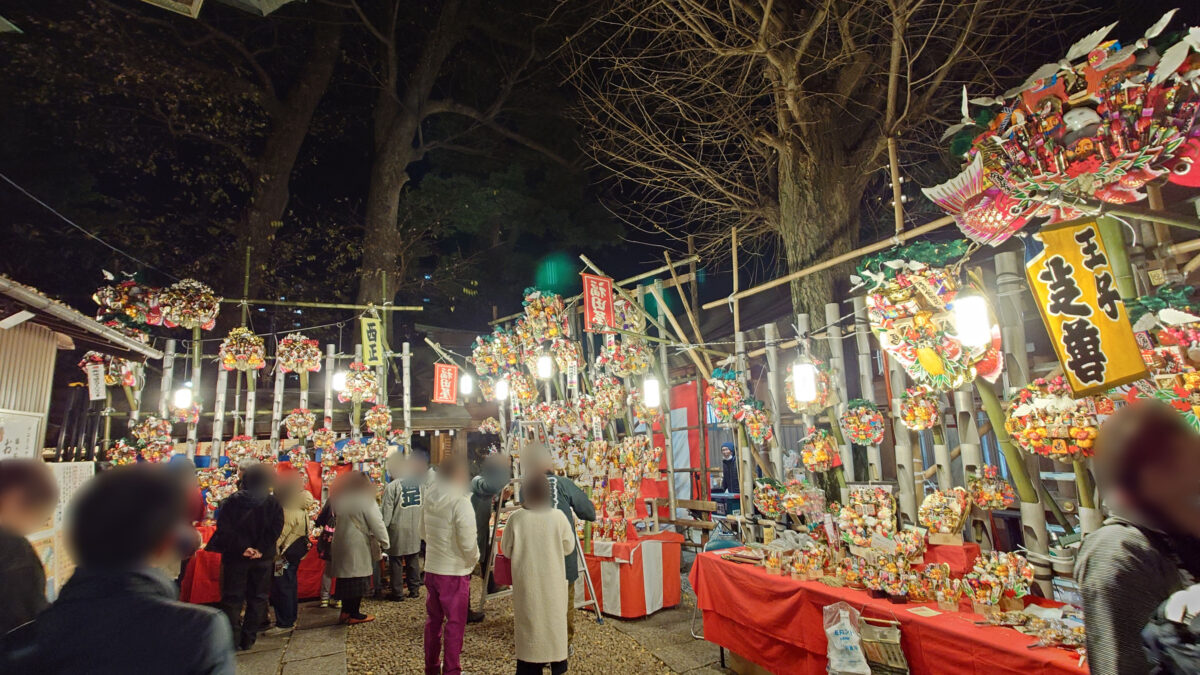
466,384
971,321
651,395
804,382
545,366
339,381
502,390
182,398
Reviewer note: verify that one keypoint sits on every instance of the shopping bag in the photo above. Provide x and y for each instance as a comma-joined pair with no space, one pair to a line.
844,641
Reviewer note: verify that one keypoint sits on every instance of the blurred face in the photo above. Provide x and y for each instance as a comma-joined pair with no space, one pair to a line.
1172,485
21,518
726,453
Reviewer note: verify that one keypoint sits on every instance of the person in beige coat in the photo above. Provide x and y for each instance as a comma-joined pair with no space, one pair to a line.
537,539
352,561
290,549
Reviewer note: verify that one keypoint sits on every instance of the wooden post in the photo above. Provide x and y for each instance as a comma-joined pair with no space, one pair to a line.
866,383
168,374
664,377
218,425
778,401
837,362
905,477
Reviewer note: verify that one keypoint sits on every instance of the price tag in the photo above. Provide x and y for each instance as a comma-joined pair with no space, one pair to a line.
95,381
573,379
597,429
883,544
516,407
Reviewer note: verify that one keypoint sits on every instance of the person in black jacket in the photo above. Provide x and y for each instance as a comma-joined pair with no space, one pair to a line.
248,526
28,495
118,613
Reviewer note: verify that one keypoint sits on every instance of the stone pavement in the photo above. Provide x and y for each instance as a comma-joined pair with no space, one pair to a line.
316,647
666,634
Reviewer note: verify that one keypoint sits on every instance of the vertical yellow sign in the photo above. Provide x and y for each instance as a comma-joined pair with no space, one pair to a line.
372,341
1076,292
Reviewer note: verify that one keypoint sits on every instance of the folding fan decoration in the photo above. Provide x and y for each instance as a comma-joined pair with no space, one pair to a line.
1099,124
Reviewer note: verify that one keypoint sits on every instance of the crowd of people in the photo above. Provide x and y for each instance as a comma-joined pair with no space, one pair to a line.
129,529
262,533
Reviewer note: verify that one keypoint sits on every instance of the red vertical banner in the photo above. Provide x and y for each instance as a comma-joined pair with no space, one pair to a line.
598,312
445,383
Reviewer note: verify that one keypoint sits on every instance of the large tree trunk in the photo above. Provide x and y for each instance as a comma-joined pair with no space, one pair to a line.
270,193
818,219
396,123
381,240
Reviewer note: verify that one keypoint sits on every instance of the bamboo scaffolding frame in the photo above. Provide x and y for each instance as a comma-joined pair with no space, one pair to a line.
623,282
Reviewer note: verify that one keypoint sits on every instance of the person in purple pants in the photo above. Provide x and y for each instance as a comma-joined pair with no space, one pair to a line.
447,525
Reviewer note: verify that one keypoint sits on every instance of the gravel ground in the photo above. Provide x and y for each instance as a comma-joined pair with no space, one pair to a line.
393,642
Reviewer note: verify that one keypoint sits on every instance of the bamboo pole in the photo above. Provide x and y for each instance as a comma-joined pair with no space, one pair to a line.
737,315
687,308
277,409
832,262
665,403
866,385
690,260
1112,233
322,305
778,401
657,292
218,425
903,444
837,363
168,374
330,364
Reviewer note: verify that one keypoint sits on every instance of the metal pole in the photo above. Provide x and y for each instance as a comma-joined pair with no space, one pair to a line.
837,362
778,402
218,425
866,385
905,477
164,395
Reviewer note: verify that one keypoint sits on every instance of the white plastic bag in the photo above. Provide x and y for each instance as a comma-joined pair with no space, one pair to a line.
844,643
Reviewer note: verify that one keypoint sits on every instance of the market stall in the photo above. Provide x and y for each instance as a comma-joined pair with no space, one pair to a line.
776,622
636,578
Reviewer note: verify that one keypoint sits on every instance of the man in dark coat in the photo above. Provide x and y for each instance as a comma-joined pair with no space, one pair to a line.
729,469
248,527
118,613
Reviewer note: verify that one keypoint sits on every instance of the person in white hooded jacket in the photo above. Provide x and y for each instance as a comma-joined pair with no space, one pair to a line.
447,526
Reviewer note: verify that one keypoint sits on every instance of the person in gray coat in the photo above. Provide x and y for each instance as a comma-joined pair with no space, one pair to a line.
1148,467
402,515
352,561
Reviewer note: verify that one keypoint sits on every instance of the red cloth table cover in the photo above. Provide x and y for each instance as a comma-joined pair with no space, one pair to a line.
636,578
202,580
776,622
